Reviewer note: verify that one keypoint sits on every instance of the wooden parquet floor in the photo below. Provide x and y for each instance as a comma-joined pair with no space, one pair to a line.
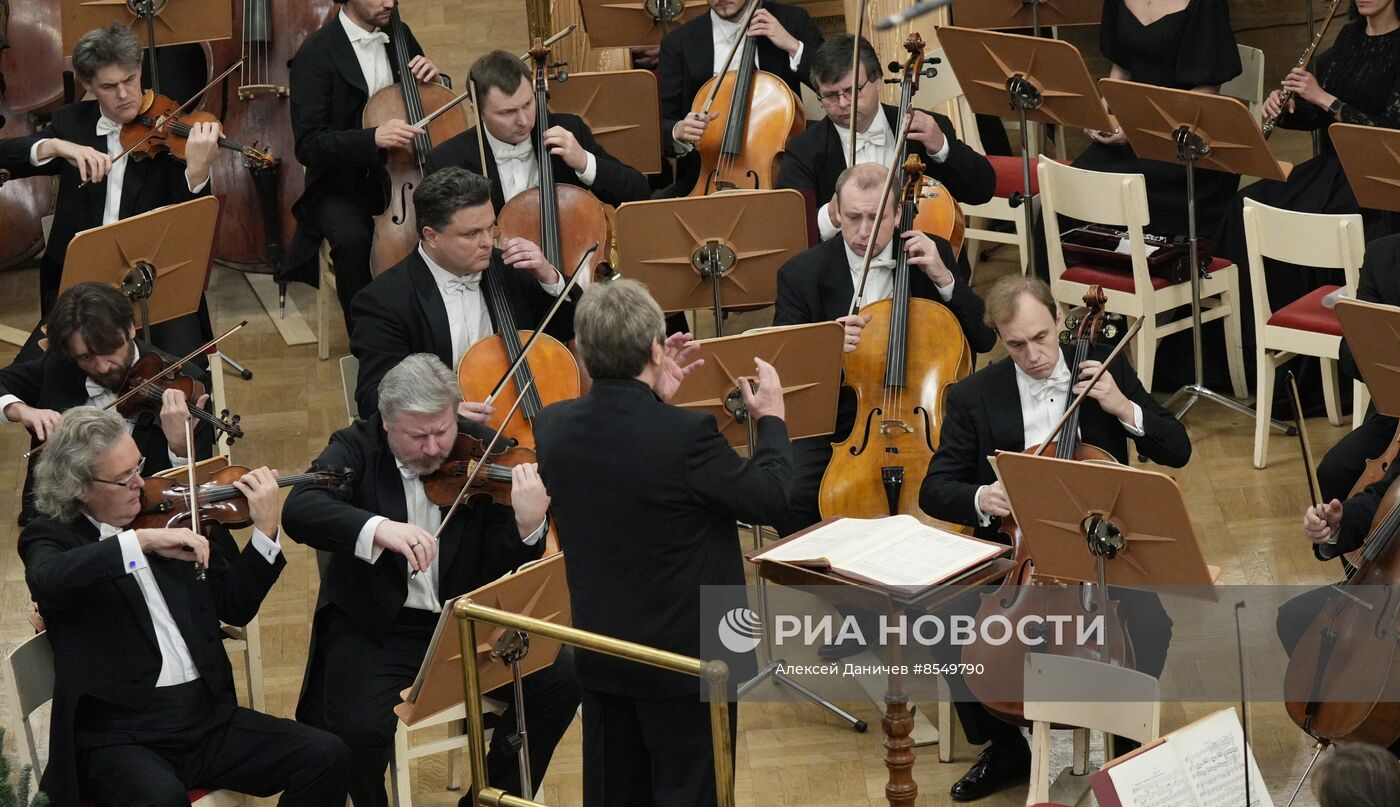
788,753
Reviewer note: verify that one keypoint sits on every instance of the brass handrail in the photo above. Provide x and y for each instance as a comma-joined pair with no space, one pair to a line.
715,674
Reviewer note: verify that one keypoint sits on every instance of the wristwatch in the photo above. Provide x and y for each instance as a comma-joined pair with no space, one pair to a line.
1335,108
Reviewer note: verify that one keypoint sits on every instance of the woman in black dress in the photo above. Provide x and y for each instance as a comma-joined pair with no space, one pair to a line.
1357,81
1191,47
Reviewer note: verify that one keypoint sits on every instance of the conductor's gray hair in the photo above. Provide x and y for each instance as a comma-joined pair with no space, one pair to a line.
64,471
115,44
615,325
420,384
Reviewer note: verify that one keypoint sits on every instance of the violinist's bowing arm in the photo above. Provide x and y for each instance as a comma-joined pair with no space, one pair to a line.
92,165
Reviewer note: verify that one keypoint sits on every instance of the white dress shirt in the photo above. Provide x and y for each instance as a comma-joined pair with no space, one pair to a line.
874,145
879,285
98,396
176,664
468,319
1043,403
422,588
519,168
370,53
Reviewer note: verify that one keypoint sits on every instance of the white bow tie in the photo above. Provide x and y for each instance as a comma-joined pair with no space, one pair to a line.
881,263
463,284
1058,381
96,390
105,531
521,151
367,39
106,126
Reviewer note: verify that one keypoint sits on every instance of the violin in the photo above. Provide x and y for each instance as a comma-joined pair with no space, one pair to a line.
161,128
492,479
908,353
939,213
145,405
396,229
760,115
564,218
165,501
1023,595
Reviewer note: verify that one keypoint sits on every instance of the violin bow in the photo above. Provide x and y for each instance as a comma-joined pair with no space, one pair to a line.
855,76
534,335
880,214
1314,489
180,110
139,388
729,59
1093,379
485,460
194,489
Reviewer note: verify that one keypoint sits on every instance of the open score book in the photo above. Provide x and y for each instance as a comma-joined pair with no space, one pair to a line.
895,551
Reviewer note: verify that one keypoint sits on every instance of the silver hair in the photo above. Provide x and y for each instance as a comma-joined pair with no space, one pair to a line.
420,384
64,471
115,44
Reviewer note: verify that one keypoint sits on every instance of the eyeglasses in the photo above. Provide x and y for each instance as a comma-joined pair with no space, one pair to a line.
125,482
834,98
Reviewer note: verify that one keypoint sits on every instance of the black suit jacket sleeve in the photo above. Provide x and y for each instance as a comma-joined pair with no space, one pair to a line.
240,580
801,25
56,573
23,379
615,181
671,87
949,488
1164,439
969,175
1357,514
14,157
324,516
754,491
969,308
381,340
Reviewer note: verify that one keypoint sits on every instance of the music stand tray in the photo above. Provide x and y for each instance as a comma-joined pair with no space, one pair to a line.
160,260
719,251
538,590
175,23
620,108
808,361
1370,157
635,23
1372,331
993,14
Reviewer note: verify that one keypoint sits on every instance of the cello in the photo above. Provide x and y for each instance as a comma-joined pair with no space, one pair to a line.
396,230
1022,595
939,213
909,352
760,114
257,196
566,219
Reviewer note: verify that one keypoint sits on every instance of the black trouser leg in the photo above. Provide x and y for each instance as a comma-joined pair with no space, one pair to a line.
350,230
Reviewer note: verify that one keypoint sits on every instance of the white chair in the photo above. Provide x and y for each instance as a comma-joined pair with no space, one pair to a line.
1304,327
248,641
454,745
325,298
1086,696
31,676
1120,200
1248,86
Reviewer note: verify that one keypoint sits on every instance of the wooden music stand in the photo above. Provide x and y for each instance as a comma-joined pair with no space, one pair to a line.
1372,332
733,243
175,22
1033,14
537,589
808,361
1371,159
159,260
620,108
629,23
1194,129
1043,80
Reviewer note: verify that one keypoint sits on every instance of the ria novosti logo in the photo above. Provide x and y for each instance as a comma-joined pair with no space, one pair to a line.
740,630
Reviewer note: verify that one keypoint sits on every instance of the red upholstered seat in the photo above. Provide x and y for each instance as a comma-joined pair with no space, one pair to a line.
1307,314
1009,175
1119,280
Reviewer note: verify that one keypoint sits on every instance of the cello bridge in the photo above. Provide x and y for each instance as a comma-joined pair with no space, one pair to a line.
894,426
248,92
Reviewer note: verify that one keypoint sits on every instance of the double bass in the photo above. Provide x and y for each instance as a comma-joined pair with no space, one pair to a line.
760,114
565,219
31,78
1021,595
396,230
939,213
257,196
909,352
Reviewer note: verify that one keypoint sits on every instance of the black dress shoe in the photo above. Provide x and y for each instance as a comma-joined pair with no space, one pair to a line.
836,652
995,769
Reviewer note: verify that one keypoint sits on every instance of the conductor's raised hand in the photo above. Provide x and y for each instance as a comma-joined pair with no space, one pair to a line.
413,542
176,543
1322,522
768,398
677,361
259,487
395,134
422,69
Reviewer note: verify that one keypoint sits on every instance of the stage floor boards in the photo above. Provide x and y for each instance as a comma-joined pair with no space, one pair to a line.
788,753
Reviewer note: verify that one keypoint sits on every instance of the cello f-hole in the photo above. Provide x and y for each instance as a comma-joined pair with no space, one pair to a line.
856,451
402,216
928,426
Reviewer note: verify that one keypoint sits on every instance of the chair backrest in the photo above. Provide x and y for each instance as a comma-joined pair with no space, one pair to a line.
1321,240
1093,695
30,668
349,377
1248,86
1118,200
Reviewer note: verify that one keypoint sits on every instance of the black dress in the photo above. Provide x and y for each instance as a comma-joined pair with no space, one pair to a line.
1364,72
1188,49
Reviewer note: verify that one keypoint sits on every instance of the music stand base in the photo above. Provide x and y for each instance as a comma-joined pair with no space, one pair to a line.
774,671
1195,392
